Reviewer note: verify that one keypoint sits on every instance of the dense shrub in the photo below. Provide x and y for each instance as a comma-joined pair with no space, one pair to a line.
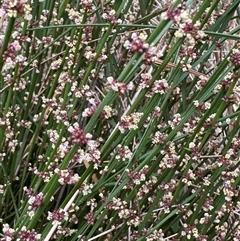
119,120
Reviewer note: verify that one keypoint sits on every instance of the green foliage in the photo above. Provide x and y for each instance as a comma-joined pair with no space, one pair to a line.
119,120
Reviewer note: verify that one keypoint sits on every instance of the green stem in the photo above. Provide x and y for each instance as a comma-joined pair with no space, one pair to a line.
6,41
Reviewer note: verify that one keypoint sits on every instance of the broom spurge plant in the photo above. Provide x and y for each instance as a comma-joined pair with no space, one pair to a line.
119,120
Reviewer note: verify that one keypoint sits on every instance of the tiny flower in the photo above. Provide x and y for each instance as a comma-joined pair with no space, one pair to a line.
160,86
117,86
107,112
58,216
8,232
90,218
86,188
176,120
138,43
158,138
145,80
16,8
56,64
35,200
78,136
67,176
130,122
123,153
191,145
28,235
110,16
235,58
74,15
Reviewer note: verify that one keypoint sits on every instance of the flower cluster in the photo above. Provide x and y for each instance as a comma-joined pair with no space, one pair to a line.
133,13
63,232
170,157
117,86
158,138
90,218
123,153
17,8
107,112
160,87
86,188
61,216
67,176
12,56
145,80
202,106
77,135
190,30
8,233
89,111
176,14
110,16
139,176
138,44
58,216
27,235
175,121
34,201
124,212
182,19
235,58
130,122
146,187
88,5
91,154
156,235
74,15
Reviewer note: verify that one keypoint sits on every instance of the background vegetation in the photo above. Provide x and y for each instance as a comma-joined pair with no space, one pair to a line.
119,120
